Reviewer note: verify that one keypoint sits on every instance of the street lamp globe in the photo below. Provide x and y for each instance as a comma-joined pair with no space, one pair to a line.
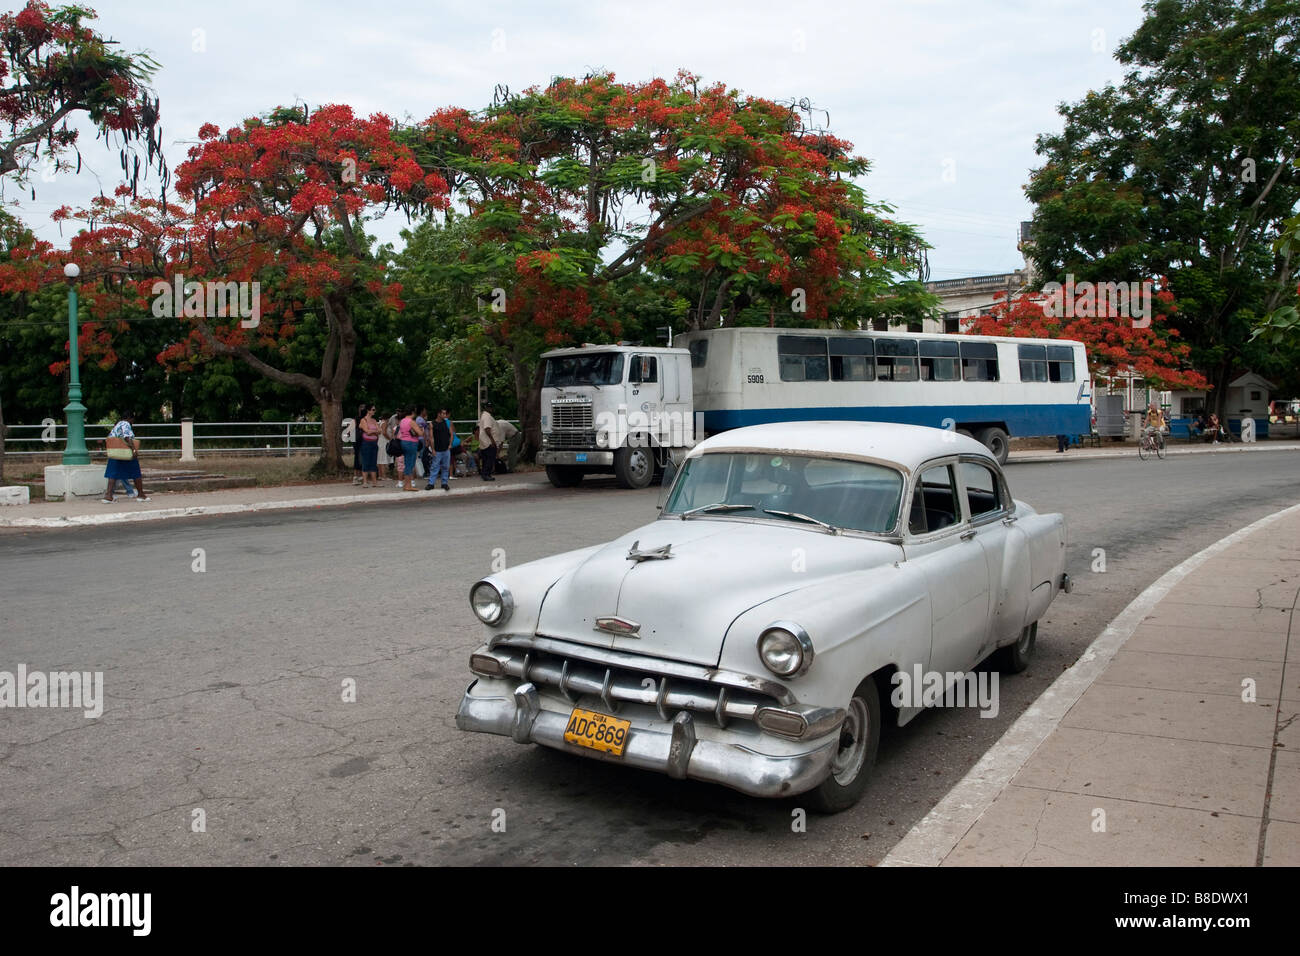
72,270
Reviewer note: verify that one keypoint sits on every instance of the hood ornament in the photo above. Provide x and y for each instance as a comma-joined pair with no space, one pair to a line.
658,554
620,626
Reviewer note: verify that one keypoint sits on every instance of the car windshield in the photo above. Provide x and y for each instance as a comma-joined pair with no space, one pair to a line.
599,368
850,495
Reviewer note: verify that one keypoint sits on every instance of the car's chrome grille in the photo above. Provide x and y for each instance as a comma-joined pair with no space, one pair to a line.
616,684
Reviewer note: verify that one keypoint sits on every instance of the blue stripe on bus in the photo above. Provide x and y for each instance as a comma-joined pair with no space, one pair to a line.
1021,420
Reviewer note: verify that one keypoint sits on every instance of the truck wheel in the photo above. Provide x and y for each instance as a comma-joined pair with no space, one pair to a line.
996,441
564,476
634,467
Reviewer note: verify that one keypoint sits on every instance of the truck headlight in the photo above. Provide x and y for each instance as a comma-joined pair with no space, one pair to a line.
602,439
492,604
785,649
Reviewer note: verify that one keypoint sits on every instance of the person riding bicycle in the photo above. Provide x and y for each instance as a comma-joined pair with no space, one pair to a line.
1155,423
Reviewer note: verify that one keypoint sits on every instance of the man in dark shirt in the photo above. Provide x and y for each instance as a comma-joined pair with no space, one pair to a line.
443,433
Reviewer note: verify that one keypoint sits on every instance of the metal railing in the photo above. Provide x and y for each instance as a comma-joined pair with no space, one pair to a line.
210,438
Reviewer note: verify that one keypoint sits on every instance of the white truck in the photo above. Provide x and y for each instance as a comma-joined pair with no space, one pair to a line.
614,408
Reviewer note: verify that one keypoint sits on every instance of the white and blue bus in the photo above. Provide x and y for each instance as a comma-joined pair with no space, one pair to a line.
991,387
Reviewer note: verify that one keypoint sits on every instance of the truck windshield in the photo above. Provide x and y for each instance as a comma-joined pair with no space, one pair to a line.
599,368
850,495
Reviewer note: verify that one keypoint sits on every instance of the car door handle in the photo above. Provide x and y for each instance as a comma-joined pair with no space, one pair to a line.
1010,520
967,535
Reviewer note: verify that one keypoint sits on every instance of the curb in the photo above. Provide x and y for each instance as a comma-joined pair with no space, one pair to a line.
930,841
159,514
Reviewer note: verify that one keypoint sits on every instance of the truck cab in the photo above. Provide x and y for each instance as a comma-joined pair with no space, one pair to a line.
620,409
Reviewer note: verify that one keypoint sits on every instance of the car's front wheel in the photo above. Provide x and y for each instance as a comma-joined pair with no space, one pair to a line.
856,754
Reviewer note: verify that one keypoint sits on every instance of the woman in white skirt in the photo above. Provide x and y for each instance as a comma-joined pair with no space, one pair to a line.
384,458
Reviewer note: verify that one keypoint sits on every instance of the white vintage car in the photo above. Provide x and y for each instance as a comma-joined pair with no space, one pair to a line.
749,636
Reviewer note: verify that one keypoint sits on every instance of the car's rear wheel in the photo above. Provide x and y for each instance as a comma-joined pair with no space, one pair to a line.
1014,658
856,754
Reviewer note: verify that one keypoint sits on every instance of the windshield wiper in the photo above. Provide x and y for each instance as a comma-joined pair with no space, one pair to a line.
716,506
801,517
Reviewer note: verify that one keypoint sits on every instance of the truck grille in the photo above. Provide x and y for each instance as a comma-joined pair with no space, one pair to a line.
575,677
572,425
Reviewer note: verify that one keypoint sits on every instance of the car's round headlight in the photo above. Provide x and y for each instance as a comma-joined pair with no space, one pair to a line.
785,649
491,604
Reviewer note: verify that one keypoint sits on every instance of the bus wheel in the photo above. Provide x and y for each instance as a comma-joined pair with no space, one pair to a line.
564,476
634,467
996,441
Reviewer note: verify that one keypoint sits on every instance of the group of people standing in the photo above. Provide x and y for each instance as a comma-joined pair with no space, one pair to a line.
399,439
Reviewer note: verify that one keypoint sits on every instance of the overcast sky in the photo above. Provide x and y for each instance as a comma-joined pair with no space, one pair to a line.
944,98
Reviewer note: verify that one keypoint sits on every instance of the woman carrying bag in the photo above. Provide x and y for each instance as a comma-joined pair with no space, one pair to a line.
123,461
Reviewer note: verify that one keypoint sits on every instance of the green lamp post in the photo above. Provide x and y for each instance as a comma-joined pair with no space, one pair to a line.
75,453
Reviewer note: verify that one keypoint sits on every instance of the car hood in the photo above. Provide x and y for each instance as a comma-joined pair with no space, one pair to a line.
684,604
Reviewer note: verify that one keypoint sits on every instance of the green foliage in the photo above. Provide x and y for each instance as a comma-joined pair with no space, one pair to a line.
1184,171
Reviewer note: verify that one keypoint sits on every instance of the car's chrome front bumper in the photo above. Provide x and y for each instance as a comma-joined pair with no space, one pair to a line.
674,748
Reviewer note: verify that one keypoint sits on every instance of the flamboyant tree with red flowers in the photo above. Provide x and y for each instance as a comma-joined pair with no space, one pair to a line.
53,67
598,203
267,244
1116,343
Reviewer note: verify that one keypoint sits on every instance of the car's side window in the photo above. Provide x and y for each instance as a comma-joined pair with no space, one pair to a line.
934,503
983,496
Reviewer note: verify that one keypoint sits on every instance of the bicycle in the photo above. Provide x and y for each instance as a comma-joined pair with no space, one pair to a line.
1151,443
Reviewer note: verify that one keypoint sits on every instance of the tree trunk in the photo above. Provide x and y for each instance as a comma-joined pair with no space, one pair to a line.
331,417
1222,376
528,395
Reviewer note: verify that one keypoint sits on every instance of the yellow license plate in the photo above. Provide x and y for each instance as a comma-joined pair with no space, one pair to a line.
597,731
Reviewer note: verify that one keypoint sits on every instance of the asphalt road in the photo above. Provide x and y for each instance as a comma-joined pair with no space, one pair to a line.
224,689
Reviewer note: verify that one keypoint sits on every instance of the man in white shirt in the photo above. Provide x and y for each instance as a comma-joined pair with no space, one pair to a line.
489,439
509,442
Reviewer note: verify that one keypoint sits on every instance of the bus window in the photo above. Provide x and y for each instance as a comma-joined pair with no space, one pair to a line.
852,360
979,361
1033,363
699,353
1060,363
896,360
939,362
802,358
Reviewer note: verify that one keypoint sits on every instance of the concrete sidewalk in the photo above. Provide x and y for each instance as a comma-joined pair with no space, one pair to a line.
1174,447
163,504
1173,741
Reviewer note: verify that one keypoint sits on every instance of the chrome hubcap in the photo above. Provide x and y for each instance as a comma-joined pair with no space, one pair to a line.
853,743
638,464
